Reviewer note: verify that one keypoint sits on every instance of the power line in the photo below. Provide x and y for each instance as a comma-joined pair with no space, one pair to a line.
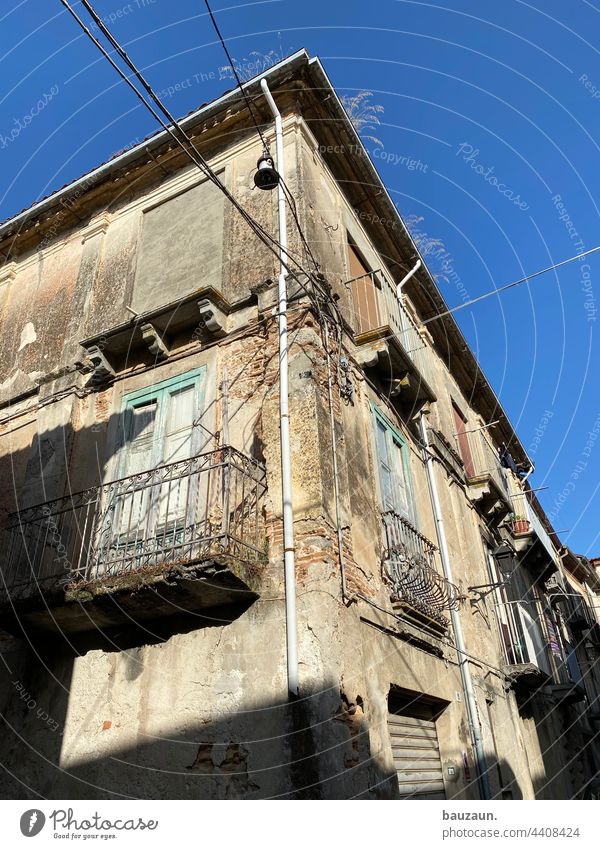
203,164
239,82
511,285
294,211
289,196
192,152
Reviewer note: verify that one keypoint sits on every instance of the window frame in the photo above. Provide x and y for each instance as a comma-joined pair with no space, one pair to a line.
155,392
520,614
378,418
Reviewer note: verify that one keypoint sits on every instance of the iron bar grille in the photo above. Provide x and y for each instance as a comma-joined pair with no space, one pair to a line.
409,566
487,461
171,515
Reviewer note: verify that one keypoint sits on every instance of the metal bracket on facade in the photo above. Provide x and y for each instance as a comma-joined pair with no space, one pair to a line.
398,384
155,344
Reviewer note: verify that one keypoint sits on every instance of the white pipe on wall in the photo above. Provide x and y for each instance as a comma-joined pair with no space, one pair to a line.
407,277
463,661
291,624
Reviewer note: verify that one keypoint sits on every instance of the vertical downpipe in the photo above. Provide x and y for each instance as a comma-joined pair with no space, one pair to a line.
463,661
284,418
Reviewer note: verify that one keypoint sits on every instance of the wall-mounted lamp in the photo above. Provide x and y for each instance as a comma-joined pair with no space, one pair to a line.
266,177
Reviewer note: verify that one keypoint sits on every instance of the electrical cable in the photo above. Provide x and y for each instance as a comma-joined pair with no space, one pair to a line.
235,73
289,196
294,211
170,117
449,642
270,242
204,166
511,285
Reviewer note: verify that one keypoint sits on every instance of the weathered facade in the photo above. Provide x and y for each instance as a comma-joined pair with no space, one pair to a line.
143,596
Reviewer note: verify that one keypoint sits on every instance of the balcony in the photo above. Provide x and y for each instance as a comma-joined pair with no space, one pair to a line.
418,592
389,339
536,543
186,536
486,478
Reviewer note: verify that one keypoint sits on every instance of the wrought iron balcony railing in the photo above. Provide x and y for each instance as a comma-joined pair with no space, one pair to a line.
409,567
378,313
524,507
177,514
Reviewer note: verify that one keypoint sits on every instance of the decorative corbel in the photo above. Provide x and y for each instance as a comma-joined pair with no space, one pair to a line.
102,371
155,344
8,272
212,319
97,225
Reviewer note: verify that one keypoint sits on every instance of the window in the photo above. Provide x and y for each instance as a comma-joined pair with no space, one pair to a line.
364,292
394,474
150,507
520,616
462,436
157,423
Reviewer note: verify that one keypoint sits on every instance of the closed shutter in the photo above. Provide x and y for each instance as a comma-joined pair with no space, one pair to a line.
416,754
364,294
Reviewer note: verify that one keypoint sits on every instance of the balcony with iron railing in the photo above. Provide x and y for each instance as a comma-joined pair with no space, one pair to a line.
187,535
419,593
486,477
532,531
389,337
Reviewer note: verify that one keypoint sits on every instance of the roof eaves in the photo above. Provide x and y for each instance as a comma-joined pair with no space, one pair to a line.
316,66
110,166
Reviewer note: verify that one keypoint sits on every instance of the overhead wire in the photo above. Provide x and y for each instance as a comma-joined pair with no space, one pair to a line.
189,148
289,196
511,285
236,75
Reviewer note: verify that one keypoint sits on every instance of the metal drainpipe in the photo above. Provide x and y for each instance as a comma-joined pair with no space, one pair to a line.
291,624
407,277
463,662
336,484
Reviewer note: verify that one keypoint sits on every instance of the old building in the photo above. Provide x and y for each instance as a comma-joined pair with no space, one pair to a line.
143,595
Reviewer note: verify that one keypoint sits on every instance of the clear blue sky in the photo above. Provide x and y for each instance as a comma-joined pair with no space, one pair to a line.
500,103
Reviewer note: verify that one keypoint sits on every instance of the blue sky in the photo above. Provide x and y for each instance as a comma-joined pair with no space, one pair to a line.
499,104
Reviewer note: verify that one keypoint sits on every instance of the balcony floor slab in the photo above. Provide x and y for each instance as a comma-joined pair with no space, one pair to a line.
135,597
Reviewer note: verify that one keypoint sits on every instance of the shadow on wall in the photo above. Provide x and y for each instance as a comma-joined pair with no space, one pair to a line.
317,747
35,672
567,752
507,787
311,749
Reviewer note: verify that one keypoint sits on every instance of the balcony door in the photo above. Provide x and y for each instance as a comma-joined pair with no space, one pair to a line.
520,617
394,476
151,506
464,446
364,293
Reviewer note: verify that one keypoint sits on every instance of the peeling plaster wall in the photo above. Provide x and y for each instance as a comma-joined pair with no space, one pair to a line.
202,710
181,247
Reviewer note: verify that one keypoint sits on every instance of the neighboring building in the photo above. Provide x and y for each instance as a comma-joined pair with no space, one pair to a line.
143,594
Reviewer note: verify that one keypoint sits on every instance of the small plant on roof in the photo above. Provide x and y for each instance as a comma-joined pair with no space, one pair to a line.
363,114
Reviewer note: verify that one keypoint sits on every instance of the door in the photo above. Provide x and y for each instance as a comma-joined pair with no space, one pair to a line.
534,638
151,510
416,751
364,293
463,441
394,477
